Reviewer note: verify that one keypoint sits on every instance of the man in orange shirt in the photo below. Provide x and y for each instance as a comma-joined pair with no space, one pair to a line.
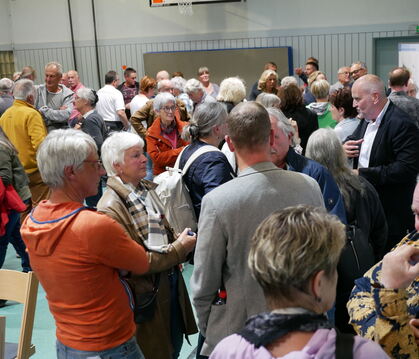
80,255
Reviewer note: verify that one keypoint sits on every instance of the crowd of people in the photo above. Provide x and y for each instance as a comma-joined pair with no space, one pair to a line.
303,199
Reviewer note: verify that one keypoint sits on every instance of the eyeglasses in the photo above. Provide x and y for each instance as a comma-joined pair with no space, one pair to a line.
354,72
99,164
168,109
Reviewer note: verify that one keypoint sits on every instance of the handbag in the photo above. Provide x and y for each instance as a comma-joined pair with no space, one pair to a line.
145,303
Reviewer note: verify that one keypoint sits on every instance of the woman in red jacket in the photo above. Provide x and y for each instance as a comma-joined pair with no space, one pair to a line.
163,137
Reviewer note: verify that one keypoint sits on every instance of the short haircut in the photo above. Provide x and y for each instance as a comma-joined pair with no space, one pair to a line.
291,97
193,85
249,126
284,124
202,69
162,75
313,77
164,83
114,147
23,89
314,64
320,89
269,65
360,63
232,89
162,99
6,85
268,100
399,76
178,83
128,71
264,77
178,74
61,149
206,116
342,98
55,64
371,84
89,95
28,71
110,77
146,83
287,80
291,246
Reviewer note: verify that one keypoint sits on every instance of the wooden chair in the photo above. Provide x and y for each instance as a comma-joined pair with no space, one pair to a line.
22,288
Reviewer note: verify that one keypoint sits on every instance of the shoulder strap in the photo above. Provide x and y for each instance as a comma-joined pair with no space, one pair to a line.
344,345
200,151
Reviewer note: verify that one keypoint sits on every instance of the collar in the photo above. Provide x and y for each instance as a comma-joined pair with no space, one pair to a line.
380,116
88,113
258,167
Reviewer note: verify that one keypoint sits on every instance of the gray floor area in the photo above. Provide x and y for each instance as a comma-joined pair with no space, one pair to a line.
44,329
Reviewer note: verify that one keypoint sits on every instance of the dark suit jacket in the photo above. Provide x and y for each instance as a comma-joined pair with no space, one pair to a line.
393,167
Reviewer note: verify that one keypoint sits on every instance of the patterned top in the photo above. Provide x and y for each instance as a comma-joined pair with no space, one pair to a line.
383,314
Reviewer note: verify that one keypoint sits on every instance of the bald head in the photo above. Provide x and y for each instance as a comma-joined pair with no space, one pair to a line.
162,75
398,78
368,93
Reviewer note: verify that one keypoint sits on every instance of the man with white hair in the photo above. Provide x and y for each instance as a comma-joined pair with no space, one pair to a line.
6,98
162,75
385,148
196,92
54,100
344,79
147,113
26,129
412,88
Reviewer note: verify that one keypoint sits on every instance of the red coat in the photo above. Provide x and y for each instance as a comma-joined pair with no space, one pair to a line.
160,149
9,200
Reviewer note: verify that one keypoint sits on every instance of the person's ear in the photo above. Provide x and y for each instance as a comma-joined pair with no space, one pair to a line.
271,137
69,172
229,143
316,284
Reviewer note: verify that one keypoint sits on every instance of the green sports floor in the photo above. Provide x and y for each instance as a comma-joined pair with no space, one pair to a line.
43,336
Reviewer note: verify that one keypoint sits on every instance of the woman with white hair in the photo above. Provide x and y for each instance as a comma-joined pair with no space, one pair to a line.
179,83
164,142
232,91
80,256
6,98
293,256
205,130
367,226
132,202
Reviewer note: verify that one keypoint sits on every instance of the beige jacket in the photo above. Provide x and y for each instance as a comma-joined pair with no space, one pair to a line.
153,336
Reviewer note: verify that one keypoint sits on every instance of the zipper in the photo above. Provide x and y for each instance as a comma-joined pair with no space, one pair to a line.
356,256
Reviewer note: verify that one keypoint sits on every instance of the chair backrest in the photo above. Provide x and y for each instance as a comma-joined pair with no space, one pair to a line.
2,335
22,288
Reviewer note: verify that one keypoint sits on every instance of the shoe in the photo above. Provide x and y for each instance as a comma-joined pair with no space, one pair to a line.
2,303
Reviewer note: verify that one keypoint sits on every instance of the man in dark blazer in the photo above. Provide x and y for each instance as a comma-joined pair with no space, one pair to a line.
385,148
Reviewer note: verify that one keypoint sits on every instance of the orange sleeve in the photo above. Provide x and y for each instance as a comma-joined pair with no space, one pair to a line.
162,158
110,245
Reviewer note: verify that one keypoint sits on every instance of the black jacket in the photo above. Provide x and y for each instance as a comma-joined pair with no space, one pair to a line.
393,167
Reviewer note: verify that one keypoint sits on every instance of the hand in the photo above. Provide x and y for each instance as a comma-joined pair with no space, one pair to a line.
351,148
355,172
414,324
187,241
400,267
63,108
298,71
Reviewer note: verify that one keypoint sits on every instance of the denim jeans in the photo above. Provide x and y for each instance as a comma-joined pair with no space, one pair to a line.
13,236
127,350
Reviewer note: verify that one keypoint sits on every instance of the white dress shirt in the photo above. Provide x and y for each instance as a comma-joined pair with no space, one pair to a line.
369,137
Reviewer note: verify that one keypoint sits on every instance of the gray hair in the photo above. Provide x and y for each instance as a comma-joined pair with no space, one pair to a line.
268,100
55,64
161,99
204,119
178,83
284,124
288,238
61,149
114,147
23,89
87,94
193,85
360,63
163,83
325,147
411,82
287,80
232,89
6,85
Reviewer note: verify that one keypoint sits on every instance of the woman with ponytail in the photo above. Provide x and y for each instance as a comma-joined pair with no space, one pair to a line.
211,168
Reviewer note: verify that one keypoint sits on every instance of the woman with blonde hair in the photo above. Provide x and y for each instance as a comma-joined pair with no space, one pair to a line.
268,82
293,256
211,89
232,91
